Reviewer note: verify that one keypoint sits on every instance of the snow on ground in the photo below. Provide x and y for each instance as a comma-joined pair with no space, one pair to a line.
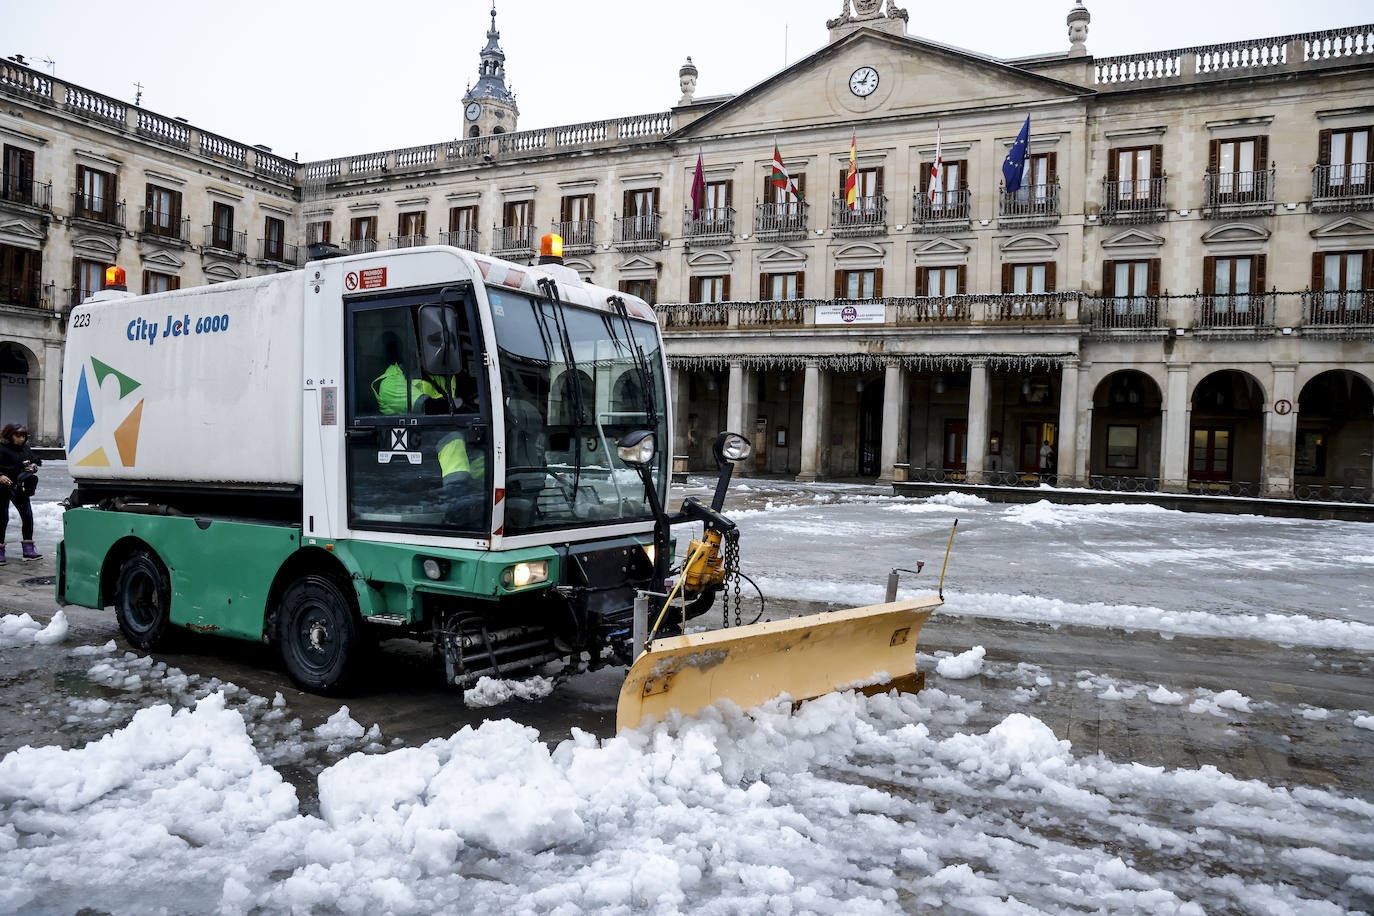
847,805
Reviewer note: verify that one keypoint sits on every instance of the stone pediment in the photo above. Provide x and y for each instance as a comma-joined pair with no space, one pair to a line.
1345,231
219,273
583,267
860,254
710,259
97,247
639,262
22,233
1133,238
1236,232
161,257
914,77
1029,243
782,256
941,252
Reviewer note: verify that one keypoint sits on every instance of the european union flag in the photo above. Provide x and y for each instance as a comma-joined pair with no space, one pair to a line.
1015,165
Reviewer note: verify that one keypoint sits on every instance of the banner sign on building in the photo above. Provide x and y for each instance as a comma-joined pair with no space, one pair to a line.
852,313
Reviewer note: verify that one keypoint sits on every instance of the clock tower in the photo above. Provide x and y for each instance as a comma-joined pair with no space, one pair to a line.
489,106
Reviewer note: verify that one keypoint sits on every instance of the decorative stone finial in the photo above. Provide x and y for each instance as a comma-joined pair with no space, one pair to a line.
687,82
1078,20
868,14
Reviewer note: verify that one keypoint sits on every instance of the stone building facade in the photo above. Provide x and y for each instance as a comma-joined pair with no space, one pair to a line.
1177,297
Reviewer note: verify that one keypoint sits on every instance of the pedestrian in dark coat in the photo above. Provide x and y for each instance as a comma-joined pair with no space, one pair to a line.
18,481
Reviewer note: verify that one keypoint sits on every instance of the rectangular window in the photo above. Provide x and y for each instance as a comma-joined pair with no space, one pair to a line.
1232,284
942,281
717,195
1135,177
222,227
462,219
411,225
641,203
89,278
1211,457
18,175
577,208
1340,277
948,197
1036,178
784,201
154,282
274,239
362,228
1347,154
1236,164
519,213
1123,447
163,214
19,275
859,284
644,289
709,289
1310,460
1130,287
318,233
780,286
95,194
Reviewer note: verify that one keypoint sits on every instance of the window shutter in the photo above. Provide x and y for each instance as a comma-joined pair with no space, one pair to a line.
653,292
801,186
922,281
1368,272
627,205
111,194
763,287
401,224
878,183
801,283
1214,156
1261,154
1152,282
725,289
1006,278
844,170
1323,148
563,209
839,284
147,277
655,203
878,283
148,205
624,286
1050,276
1112,157
1108,278
1051,167
1157,161
730,193
1209,275
694,289
176,213
1318,272
1261,262
591,207
963,175
925,177
963,279
174,283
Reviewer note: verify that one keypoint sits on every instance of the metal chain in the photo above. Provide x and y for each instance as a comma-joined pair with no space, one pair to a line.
732,572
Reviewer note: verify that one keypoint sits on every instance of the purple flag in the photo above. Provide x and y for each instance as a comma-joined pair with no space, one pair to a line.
698,189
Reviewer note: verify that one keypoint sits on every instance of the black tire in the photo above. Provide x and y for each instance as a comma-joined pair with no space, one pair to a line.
317,633
143,600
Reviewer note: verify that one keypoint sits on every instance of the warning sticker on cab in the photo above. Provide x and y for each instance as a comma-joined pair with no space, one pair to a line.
372,278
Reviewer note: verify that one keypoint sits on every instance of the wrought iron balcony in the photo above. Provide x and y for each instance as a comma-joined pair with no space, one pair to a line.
103,210
710,226
1338,309
461,238
221,241
943,211
1343,187
26,192
1125,313
161,227
869,216
579,235
638,233
1134,201
778,222
1228,194
277,252
407,241
1030,205
513,241
1234,311
361,246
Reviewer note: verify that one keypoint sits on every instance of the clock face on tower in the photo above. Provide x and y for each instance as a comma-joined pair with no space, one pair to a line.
863,81
474,111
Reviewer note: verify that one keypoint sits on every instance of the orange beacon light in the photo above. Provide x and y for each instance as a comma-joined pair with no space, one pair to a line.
114,278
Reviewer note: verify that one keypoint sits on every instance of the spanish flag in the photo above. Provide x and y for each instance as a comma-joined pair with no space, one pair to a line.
851,180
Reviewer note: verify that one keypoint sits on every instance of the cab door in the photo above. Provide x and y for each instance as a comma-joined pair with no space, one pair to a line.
418,444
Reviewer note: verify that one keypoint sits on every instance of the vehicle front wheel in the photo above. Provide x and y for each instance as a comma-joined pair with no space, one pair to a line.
317,631
143,600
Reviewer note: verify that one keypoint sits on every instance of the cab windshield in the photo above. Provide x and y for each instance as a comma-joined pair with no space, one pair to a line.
572,387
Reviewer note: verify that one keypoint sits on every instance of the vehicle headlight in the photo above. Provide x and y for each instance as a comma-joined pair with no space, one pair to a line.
434,569
637,448
523,574
649,549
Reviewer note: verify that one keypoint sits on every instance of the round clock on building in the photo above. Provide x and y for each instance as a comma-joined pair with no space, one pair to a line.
474,111
863,81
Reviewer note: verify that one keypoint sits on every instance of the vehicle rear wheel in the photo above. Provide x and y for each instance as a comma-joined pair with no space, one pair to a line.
317,632
143,600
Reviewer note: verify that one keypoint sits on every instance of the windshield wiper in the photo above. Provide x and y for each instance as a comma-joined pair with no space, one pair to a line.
573,379
641,362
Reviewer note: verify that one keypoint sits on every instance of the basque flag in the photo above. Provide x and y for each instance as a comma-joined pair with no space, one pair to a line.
1014,167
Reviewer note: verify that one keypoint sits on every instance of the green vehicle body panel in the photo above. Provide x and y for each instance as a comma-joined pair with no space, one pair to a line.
222,575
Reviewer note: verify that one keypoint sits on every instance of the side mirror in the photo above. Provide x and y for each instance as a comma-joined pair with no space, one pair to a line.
440,350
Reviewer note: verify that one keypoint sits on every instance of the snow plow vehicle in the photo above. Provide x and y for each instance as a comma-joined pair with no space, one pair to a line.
426,443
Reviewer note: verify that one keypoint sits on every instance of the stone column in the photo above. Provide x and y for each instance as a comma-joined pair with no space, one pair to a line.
50,397
1069,471
1280,435
895,419
679,381
740,409
1177,412
978,393
811,424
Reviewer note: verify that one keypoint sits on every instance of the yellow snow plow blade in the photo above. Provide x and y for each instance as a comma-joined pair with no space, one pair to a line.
804,657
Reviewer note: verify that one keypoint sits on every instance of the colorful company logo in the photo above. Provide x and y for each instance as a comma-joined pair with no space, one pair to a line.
123,415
